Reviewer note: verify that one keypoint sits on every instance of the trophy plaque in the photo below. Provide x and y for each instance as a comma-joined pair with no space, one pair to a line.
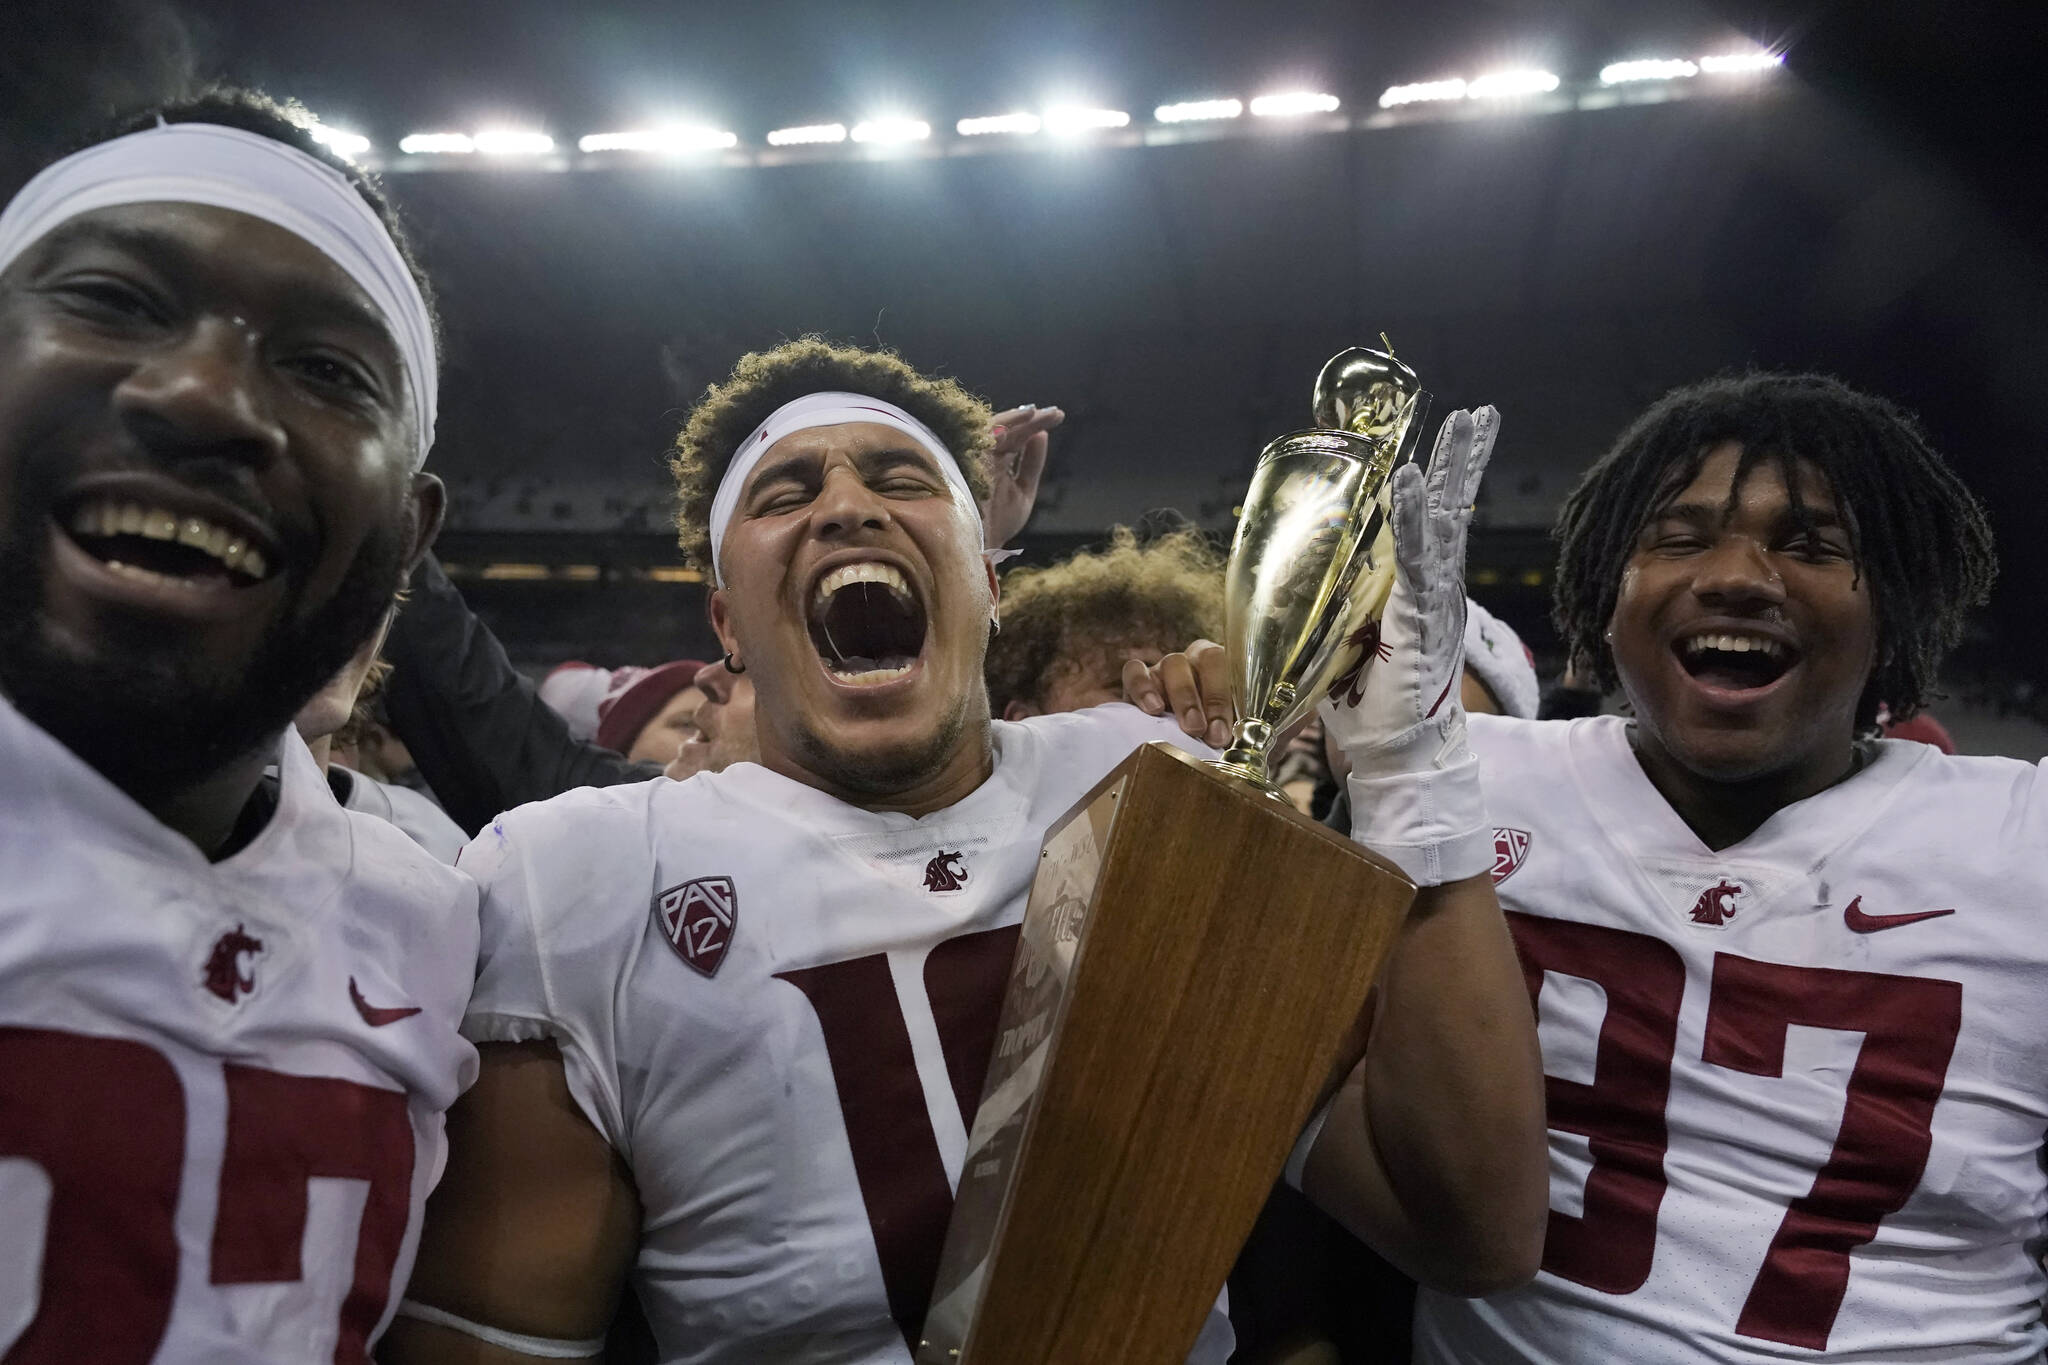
1194,960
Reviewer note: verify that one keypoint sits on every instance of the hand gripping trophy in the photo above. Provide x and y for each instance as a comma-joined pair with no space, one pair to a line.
1160,1044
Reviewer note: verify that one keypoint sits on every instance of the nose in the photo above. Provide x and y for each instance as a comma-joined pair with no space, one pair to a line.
203,397
714,680
846,504
1738,571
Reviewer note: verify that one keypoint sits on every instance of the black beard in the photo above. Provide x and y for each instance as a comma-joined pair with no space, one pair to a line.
144,717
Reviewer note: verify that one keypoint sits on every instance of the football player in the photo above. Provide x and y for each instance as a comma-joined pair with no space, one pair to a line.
734,1027
228,1007
1789,975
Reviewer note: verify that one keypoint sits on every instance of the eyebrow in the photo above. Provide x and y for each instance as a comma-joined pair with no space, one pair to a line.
796,466
166,250
1708,514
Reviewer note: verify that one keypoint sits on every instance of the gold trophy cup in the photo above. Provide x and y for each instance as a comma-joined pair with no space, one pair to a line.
1312,564
1192,960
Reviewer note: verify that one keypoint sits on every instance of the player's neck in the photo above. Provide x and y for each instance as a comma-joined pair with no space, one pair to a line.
211,811
966,766
1725,813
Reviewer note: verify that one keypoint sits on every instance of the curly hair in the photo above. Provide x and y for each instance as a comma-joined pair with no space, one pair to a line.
764,380
1914,529
1166,591
289,122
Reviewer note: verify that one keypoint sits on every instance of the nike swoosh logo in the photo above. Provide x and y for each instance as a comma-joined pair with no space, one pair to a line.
1853,916
374,1015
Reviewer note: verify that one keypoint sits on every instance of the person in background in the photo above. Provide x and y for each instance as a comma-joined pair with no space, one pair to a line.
1068,627
228,1007
1788,973
575,690
330,723
646,713
722,730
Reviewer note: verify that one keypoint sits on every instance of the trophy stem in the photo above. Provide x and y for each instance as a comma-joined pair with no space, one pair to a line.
1245,759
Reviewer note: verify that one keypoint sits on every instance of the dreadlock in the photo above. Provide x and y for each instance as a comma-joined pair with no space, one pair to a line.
1913,528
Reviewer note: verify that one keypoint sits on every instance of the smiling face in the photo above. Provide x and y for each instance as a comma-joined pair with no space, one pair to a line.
858,600
206,487
1743,633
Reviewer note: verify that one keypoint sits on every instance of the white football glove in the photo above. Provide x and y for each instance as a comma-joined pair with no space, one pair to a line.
1415,796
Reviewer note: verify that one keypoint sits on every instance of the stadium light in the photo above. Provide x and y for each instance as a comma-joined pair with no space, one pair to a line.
1194,110
1499,84
1653,69
1021,124
431,144
343,144
1067,118
1422,92
810,132
665,141
1736,63
513,142
885,131
1293,103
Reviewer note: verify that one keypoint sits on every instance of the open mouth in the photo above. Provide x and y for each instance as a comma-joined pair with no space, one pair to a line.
1734,663
866,624
157,545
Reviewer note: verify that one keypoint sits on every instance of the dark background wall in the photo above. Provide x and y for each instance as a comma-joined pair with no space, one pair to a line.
1869,211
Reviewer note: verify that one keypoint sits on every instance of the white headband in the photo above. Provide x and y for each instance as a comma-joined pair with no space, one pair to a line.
823,410
204,163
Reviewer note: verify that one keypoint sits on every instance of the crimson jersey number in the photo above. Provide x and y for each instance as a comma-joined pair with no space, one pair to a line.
888,1128
1909,1028
105,1120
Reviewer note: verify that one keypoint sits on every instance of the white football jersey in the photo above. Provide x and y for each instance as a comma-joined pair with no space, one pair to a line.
1798,1087
221,1084
778,1008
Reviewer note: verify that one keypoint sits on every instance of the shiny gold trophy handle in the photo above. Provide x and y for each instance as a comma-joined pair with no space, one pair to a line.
1312,562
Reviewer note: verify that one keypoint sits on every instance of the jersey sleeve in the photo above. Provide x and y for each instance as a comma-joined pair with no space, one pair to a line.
553,878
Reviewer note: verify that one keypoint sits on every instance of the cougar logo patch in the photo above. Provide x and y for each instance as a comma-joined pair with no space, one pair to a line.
1510,846
945,873
698,919
1716,904
230,970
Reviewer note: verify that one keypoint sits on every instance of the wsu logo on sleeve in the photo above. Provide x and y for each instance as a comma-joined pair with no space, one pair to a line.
698,918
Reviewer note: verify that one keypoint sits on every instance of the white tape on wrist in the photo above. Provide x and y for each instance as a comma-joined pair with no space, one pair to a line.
545,1348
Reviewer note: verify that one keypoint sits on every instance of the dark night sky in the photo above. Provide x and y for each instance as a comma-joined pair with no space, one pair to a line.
1881,219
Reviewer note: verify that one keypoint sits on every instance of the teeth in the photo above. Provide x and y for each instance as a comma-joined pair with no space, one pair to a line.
106,518
1735,644
868,571
870,677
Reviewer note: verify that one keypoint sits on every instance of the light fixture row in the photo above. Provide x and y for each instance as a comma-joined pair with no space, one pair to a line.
680,139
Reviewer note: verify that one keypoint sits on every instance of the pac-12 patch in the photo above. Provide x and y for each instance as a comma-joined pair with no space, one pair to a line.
698,918
1510,846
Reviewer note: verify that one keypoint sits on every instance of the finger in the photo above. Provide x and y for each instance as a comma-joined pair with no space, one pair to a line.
1410,519
1031,463
1447,466
1010,417
1183,694
1485,427
1211,664
1141,687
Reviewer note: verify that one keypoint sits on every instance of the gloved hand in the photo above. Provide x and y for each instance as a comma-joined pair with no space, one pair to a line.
1415,796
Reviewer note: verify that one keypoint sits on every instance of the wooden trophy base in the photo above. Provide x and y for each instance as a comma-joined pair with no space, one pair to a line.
1195,956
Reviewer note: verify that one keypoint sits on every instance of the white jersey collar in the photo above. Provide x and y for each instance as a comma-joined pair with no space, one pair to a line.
1636,816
